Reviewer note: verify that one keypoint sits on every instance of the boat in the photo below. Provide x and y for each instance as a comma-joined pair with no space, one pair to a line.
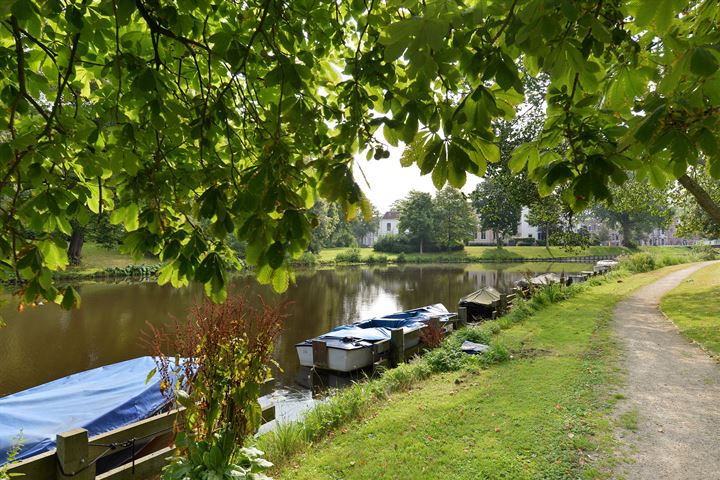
98,400
358,345
547,279
481,303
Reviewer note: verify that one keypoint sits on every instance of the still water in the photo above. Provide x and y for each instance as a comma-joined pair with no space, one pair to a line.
45,343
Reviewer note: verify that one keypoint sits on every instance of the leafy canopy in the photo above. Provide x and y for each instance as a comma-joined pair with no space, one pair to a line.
191,119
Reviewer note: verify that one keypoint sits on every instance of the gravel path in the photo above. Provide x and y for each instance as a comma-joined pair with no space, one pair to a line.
672,386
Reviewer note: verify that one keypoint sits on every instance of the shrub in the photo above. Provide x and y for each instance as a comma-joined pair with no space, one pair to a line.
498,353
401,258
133,270
640,262
351,255
307,259
703,251
374,259
447,358
524,242
393,244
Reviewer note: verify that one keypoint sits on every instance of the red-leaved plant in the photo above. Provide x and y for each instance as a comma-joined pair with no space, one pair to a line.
214,364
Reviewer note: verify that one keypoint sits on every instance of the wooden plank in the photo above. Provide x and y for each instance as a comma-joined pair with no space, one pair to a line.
43,466
39,466
157,423
147,466
320,353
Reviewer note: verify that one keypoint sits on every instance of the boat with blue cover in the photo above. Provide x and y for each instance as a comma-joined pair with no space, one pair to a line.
98,400
354,346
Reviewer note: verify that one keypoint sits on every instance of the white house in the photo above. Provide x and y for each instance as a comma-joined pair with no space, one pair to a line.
389,224
524,230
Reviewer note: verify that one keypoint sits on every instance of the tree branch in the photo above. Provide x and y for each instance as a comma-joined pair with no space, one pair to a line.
703,198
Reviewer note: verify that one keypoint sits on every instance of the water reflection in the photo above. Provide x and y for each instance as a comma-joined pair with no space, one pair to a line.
45,343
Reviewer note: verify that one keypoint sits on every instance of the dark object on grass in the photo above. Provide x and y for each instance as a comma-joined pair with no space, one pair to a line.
472,348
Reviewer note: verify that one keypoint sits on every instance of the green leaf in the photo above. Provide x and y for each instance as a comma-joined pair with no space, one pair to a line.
281,279
703,62
70,299
150,375
648,127
525,154
276,255
127,216
440,174
6,153
53,253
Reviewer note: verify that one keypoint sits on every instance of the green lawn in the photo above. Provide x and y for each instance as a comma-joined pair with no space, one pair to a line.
543,414
694,306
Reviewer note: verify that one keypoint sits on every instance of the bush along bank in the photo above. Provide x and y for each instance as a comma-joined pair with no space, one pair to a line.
136,271
346,405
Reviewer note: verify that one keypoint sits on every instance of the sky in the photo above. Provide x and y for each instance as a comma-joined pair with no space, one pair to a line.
388,181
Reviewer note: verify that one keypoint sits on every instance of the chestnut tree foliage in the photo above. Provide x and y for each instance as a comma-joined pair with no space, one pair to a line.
190,119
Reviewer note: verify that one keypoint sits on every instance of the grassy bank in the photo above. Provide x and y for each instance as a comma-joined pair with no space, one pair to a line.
694,307
477,254
538,415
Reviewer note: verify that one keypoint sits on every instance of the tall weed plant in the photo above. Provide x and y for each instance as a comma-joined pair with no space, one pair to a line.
214,365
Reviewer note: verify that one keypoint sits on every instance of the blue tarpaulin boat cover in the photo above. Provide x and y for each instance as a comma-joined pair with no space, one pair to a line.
98,400
377,328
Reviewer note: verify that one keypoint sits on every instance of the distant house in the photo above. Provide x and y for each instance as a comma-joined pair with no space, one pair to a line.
524,230
389,224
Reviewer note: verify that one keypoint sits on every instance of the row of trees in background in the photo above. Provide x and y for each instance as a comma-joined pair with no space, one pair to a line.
333,228
444,222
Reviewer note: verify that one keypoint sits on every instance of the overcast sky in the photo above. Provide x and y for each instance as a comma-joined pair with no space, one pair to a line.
389,181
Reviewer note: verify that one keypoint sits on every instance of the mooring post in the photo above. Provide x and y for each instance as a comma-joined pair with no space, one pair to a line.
462,317
397,346
320,354
73,456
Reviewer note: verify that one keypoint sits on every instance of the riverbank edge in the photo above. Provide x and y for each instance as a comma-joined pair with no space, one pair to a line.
289,439
151,270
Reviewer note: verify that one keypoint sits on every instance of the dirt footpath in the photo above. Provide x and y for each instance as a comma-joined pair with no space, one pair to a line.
673,386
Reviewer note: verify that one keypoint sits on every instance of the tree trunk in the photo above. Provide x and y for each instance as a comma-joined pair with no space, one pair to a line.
77,239
627,231
421,244
702,197
498,240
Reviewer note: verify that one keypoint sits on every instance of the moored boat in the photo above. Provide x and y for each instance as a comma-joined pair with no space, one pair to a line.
98,400
357,345
481,303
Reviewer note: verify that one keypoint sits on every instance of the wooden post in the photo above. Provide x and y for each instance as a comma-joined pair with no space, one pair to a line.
397,346
503,304
462,317
320,354
73,456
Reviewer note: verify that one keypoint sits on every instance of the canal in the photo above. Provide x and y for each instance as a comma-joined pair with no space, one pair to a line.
44,343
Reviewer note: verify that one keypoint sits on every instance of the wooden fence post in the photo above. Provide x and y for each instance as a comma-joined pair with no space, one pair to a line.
397,346
462,317
73,456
